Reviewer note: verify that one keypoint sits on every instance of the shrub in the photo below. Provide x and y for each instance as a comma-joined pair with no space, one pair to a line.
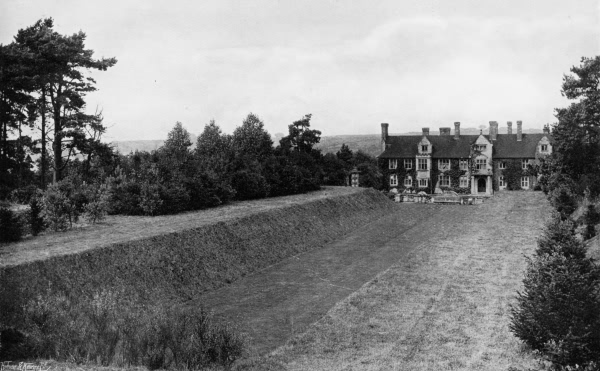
563,200
150,201
174,198
24,194
559,237
11,229
591,218
97,208
249,185
558,311
58,211
123,196
36,220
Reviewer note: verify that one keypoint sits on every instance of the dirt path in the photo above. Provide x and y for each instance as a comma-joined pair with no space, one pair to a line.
442,306
284,299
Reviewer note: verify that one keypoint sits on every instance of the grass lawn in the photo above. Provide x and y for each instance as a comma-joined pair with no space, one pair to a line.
443,306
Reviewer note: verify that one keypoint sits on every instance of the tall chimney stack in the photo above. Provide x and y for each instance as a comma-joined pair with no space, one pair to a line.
493,130
519,131
457,130
547,129
444,131
384,135
425,131
509,125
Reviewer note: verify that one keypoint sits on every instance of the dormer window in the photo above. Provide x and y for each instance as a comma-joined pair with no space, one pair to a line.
424,148
544,148
480,147
393,163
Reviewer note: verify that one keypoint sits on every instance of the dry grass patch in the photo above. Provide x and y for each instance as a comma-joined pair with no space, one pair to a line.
445,307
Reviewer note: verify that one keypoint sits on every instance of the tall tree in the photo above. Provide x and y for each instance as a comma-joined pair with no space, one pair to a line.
62,78
300,138
178,143
577,134
345,154
213,150
15,112
251,140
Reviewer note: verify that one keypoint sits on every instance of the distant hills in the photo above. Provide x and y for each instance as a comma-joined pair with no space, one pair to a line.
368,143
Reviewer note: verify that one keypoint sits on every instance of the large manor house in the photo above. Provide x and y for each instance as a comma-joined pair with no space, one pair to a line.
475,164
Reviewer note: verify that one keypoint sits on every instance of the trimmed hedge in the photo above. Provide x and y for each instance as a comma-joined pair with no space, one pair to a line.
181,265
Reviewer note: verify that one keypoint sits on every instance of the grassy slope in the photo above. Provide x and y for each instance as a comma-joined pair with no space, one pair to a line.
444,307
179,257
120,228
286,298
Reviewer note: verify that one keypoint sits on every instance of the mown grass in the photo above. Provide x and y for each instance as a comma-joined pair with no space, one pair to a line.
444,307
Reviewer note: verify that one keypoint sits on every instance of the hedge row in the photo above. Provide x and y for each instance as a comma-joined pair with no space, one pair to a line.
181,265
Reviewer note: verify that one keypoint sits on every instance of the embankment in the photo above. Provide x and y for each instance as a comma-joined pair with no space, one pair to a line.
182,264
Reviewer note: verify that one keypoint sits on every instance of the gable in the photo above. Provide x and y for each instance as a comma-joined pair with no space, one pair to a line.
507,146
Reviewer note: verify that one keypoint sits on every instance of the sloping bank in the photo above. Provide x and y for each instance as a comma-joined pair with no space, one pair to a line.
182,264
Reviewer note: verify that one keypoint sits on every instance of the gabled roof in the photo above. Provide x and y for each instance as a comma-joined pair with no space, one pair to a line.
445,146
506,145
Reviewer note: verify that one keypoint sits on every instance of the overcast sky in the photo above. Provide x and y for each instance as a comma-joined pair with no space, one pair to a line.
352,64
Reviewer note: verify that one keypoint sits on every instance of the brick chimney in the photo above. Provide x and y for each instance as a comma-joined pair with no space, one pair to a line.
384,135
425,131
547,129
519,131
444,131
493,130
457,130
509,125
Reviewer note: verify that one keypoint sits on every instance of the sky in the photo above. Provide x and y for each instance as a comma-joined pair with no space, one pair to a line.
352,64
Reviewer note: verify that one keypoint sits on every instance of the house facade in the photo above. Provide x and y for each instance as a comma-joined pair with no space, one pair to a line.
467,164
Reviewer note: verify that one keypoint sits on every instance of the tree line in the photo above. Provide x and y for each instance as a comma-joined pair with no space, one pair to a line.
52,155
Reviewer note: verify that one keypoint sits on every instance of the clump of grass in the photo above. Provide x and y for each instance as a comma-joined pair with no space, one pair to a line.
105,329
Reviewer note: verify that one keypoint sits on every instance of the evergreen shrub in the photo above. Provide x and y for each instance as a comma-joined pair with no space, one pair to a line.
11,229
36,219
558,310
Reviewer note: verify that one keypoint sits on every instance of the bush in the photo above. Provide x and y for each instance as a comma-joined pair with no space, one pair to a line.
58,211
563,200
24,194
150,201
559,237
249,185
591,218
124,196
36,220
558,311
97,207
174,199
11,229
